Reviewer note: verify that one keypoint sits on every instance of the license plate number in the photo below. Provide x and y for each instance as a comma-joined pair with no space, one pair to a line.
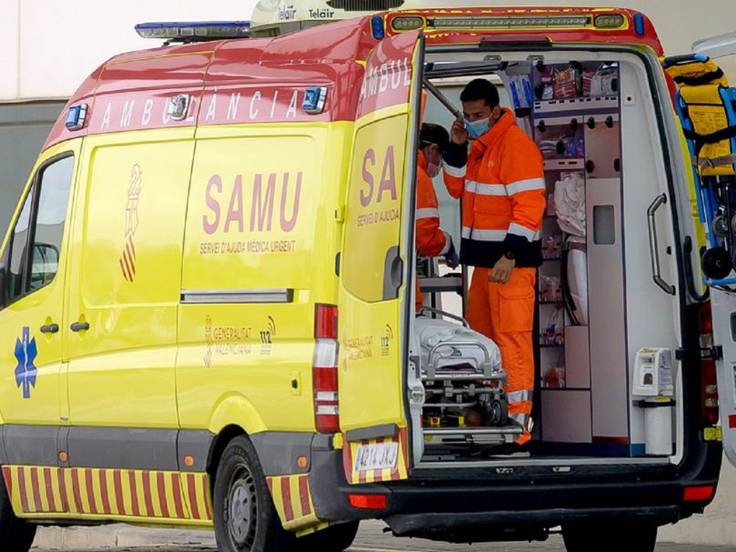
379,456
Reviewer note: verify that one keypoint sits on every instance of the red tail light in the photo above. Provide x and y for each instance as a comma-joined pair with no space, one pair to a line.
368,502
698,494
708,373
324,371
325,322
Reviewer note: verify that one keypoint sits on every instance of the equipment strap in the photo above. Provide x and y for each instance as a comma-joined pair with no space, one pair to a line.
713,138
712,163
705,78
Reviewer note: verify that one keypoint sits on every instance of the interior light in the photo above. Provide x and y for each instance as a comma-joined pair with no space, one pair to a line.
407,23
610,21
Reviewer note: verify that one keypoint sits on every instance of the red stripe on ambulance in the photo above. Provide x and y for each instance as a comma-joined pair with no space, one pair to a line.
48,484
304,495
192,491
286,496
36,490
118,481
62,490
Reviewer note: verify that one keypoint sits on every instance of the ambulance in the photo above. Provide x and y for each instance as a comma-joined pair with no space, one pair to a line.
208,288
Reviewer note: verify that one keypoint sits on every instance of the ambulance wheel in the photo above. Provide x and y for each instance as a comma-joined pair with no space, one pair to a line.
245,517
610,538
15,534
333,539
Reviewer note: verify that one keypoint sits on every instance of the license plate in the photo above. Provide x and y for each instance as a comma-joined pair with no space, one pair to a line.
379,456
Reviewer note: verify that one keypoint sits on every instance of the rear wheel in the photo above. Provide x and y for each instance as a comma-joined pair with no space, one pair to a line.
245,518
610,538
333,539
15,534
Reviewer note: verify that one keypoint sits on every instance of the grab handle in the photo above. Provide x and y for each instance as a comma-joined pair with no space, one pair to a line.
654,245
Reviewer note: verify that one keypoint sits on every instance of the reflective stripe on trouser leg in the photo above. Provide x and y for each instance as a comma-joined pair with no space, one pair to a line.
511,317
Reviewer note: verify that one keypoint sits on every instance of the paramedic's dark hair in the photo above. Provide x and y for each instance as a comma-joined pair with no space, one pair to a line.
481,89
434,134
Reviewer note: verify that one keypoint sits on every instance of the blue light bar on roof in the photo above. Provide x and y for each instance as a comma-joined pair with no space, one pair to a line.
193,31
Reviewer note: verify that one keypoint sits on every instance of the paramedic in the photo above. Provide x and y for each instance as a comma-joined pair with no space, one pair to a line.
500,178
431,240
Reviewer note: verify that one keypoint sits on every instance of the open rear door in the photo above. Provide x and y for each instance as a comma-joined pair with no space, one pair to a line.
376,260
723,302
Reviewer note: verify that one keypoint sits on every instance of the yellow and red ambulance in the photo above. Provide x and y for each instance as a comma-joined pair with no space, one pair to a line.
208,293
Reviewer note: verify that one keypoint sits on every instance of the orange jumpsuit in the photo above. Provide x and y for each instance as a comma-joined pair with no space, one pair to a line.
430,239
503,191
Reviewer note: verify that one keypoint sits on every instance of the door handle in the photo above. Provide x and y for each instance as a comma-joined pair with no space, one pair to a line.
50,328
654,245
393,268
79,326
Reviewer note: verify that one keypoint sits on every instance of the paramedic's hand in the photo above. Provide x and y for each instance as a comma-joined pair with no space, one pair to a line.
459,132
502,271
452,259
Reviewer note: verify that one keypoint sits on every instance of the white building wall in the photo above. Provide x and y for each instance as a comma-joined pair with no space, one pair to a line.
49,46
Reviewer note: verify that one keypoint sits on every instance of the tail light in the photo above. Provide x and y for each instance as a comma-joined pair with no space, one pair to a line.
698,494
368,501
708,373
324,370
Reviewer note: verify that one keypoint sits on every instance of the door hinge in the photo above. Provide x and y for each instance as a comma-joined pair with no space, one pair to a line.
704,353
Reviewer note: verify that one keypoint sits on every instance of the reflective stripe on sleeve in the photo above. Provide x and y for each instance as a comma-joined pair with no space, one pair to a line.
523,231
521,419
457,172
484,235
428,212
490,189
519,396
526,185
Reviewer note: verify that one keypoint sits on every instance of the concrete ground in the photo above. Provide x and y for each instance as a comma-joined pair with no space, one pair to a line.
371,538
713,532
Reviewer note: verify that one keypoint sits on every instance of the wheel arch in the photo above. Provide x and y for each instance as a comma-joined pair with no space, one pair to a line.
234,415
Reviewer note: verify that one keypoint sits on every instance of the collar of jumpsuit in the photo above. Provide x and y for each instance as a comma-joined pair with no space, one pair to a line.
496,132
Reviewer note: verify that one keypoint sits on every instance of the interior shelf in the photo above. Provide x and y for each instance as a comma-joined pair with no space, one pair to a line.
543,107
566,164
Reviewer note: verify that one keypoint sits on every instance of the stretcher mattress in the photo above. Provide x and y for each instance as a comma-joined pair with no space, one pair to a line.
460,346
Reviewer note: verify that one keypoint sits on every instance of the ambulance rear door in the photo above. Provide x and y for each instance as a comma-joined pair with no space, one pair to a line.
723,302
377,255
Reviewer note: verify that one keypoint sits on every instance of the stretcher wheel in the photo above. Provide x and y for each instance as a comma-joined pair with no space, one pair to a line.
720,227
717,263
498,413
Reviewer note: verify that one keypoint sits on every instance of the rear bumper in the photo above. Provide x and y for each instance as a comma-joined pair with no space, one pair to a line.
478,505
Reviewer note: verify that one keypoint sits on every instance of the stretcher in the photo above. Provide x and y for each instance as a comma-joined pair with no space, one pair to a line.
463,380
706,106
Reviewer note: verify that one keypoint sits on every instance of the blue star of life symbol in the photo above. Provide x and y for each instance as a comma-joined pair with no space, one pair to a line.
26,352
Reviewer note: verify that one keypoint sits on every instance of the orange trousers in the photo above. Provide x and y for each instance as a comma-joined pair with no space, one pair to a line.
505,313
